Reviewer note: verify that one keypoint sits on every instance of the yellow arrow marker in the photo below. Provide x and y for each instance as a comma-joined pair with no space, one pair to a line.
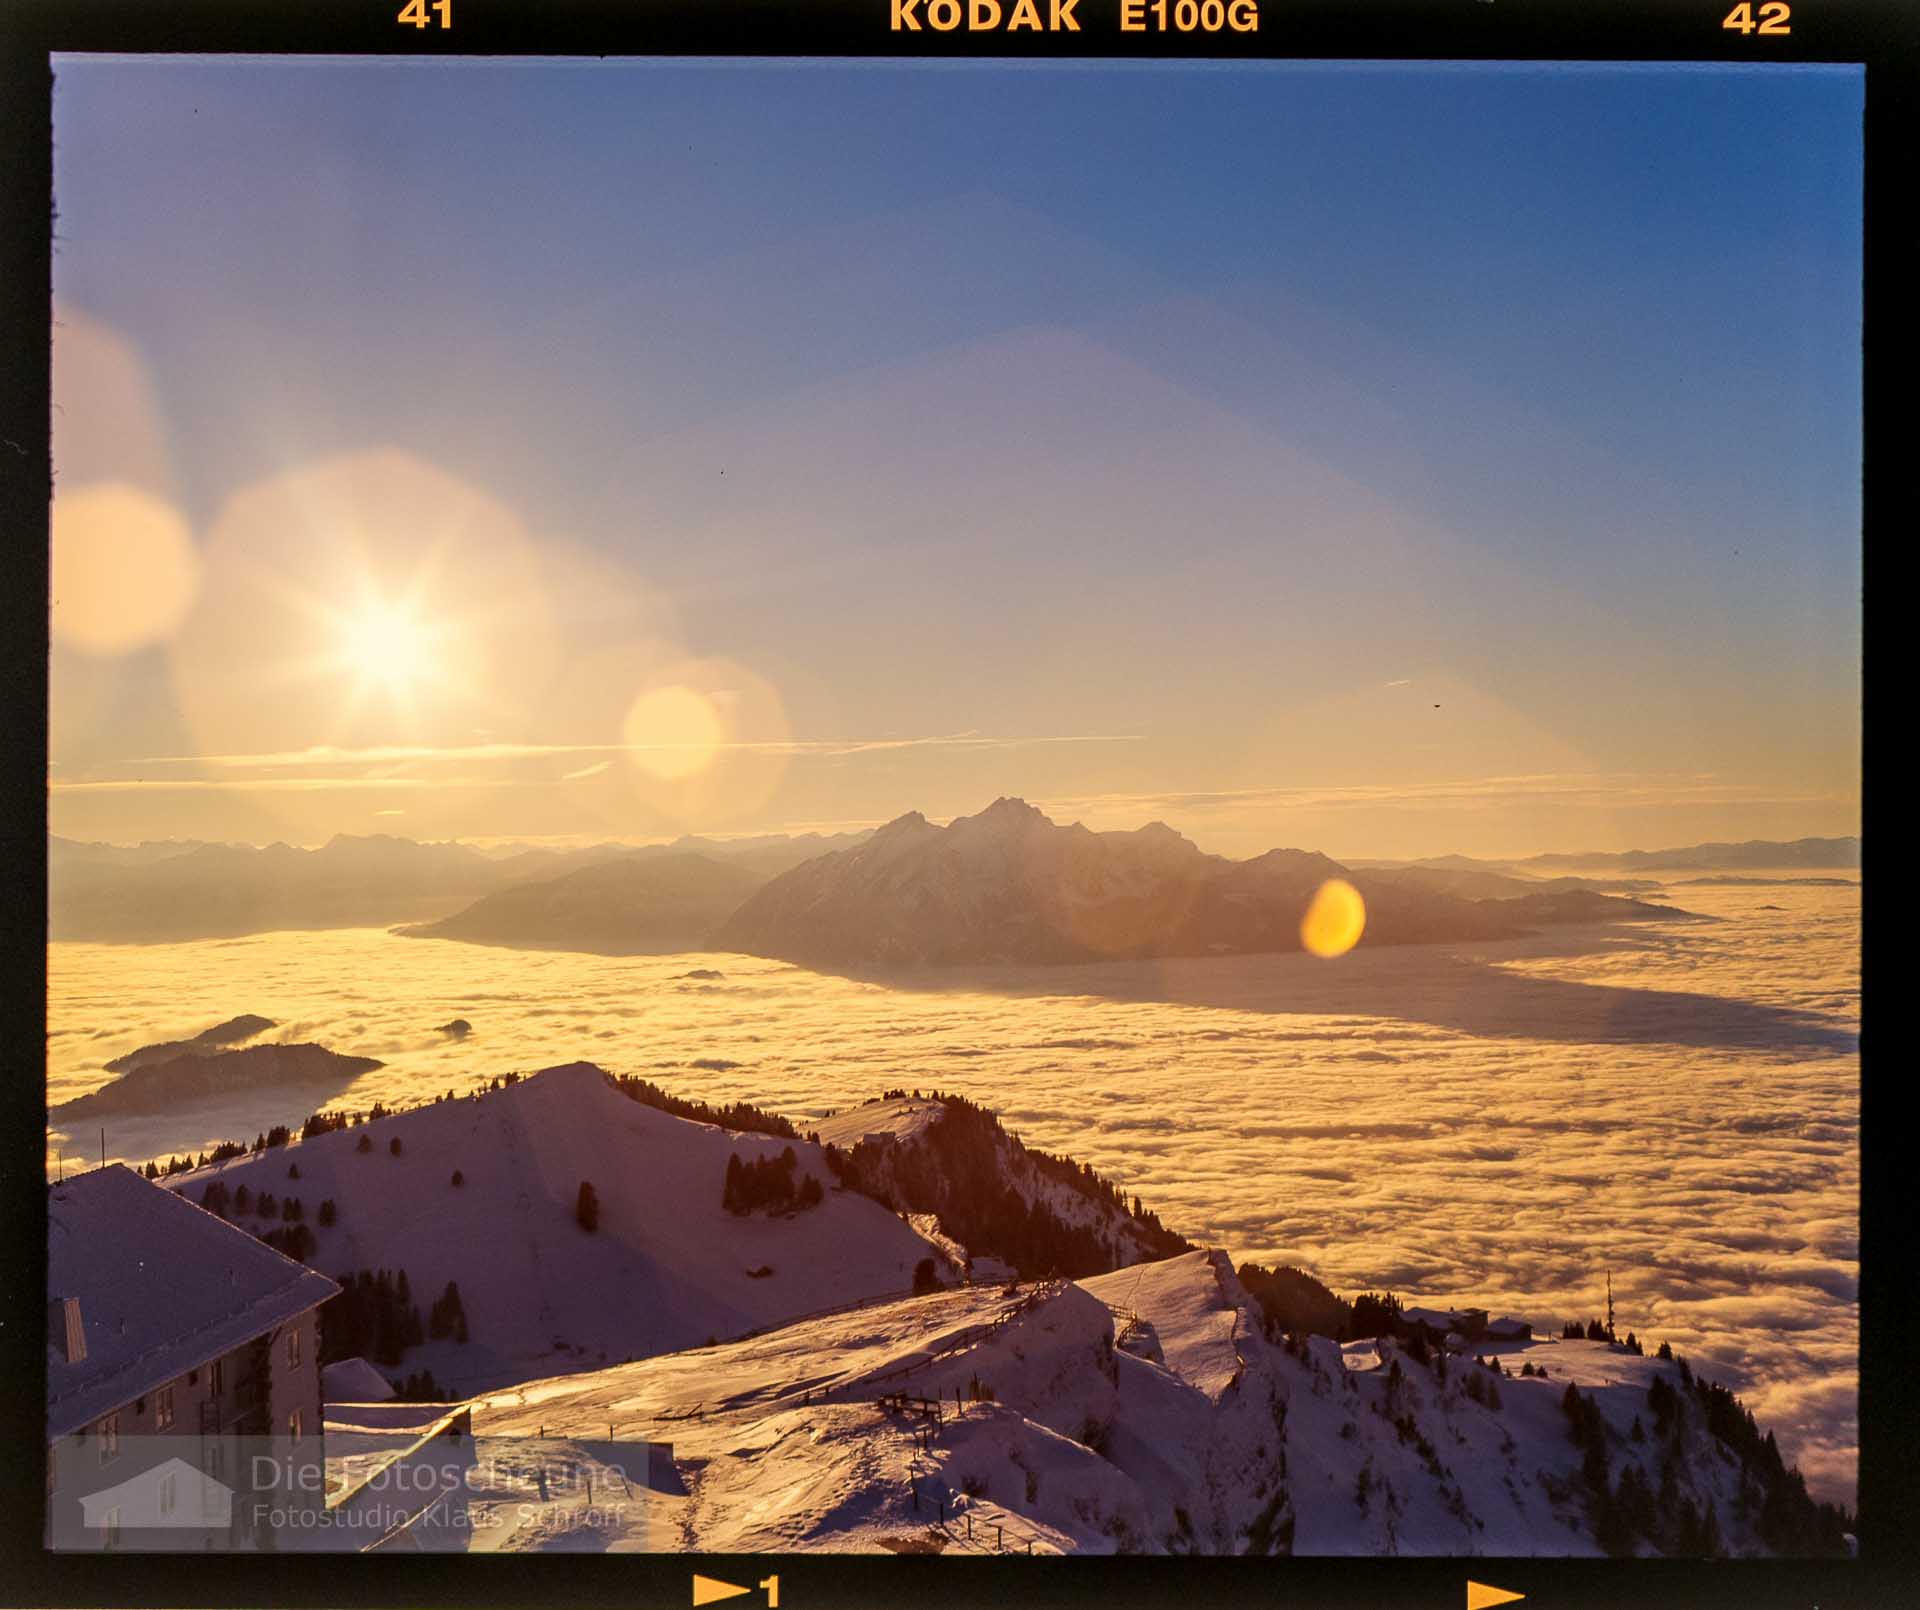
1480,1596
706,1589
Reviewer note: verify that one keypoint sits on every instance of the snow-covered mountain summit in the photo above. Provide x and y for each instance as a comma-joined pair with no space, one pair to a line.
666,1266
1010,885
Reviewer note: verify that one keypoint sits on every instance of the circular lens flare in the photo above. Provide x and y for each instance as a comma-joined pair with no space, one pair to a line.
1335,919
673,733
125,569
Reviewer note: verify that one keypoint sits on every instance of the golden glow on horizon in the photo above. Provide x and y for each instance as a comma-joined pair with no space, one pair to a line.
1335,919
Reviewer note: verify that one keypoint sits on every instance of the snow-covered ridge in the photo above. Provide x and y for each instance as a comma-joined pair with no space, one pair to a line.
666,1268
1145,1410
1013,1208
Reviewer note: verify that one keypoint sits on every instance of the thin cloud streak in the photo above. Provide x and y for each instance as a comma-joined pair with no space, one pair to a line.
328,755
287,785
1622,788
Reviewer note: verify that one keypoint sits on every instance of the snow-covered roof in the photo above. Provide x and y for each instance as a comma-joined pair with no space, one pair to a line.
1461,1318
163,1287
353,1380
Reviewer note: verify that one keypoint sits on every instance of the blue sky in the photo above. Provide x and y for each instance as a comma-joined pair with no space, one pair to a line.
1219,414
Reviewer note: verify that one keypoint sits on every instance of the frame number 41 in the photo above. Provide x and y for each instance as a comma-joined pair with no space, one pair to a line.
416,12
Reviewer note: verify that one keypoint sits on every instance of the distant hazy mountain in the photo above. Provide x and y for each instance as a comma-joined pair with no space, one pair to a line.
1769,853
174,891
220,889
1478,881
1732,882
1005,885
1581,905
665,902
1008,885
75,852
1841,852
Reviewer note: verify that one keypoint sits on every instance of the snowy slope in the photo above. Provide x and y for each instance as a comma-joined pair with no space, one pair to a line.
899,1118
1194,1434
667,1267
781,1442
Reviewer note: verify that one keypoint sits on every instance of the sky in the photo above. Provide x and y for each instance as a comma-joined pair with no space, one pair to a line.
1390,461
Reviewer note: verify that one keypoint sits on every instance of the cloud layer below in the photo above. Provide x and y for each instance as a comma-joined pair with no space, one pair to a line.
1448,1148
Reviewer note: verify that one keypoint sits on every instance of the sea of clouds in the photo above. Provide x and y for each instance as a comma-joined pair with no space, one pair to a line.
1677,1103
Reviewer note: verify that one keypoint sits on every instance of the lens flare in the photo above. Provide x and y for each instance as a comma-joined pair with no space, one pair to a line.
673,733
1335,919
124,568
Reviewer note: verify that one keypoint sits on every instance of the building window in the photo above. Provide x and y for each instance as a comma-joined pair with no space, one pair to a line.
110,1529
213,1378
108,1432
293,1426
167,1493
163,1408
293,1348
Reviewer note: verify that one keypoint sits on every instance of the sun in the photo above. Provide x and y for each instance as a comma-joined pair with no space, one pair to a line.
389,648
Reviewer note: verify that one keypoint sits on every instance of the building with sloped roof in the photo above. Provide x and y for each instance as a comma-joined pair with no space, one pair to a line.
174,1333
